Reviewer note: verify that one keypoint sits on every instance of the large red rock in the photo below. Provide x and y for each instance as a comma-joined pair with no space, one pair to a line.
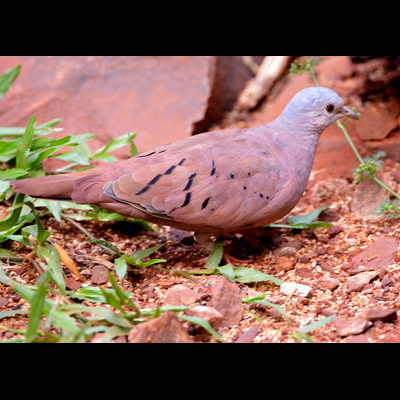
162,98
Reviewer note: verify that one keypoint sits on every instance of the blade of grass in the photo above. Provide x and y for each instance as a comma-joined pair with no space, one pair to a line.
216,255
25,144
204,324
122,296
12,219
37,307
317,325
8,78
41,130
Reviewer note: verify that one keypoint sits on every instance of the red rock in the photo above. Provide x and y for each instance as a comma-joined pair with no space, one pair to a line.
165,329
99,275
226,299
162,98
356,283
249,335
359,339
209,314
367,199
353,327
378,120
73,284
380,314
3,302
181,296
379,255
284,264
328,284
289,249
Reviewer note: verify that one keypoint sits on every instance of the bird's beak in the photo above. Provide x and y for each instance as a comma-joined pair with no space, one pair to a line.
350,114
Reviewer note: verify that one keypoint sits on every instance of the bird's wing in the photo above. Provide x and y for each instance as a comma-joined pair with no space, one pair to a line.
220,181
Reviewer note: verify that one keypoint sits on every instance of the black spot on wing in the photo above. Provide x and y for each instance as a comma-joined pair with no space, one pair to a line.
143,191
214,170
187,200
170,171
146,155
190,182
205,204
155,180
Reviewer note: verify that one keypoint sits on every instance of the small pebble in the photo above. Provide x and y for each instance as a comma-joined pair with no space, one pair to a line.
295,289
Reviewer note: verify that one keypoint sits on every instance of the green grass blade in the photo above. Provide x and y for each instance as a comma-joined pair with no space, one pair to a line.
317,325
12,173
204,324
122,296
25,144
12,220
216,255
41,130
37,306
8,78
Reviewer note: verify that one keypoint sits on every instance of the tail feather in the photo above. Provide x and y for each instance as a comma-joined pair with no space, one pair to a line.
49,187
57,187
85,187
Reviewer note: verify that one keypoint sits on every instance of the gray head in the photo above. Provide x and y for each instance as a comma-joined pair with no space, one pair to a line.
316,109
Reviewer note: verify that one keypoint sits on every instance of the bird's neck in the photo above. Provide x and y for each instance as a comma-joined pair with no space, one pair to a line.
299,144
294,124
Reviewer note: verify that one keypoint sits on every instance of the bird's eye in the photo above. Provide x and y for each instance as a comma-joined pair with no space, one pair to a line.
330,108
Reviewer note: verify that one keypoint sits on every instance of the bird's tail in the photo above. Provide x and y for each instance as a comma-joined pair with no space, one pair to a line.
52,187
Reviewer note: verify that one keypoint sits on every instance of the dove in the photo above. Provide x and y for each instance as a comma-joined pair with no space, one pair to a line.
213,183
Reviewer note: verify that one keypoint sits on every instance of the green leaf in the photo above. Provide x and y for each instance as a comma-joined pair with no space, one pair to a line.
228,272
37,306
70,329
41,130
308,218
108,245
260,299
10,314
49,254
135,260
146,253
307,221
124,297
25,144
115,144
5,253
9,146
248,275
8,78
42,235
12,219
121,267
216,255
13,173
99,313
204,324
317,325
92,294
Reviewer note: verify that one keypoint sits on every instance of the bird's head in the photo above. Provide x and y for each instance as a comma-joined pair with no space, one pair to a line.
316,108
